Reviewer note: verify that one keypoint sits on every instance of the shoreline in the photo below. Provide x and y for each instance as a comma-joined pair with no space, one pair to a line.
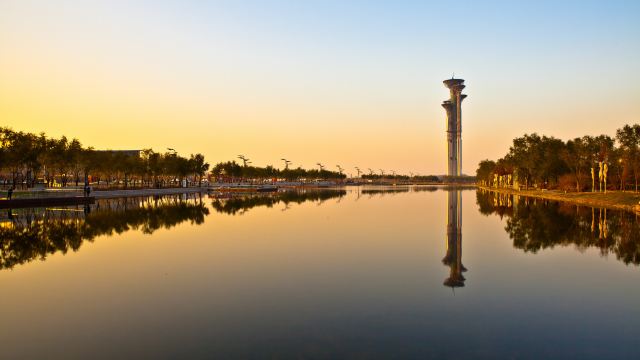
617,200
73,197
78,198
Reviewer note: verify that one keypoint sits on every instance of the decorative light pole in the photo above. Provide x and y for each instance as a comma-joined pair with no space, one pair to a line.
600,175
605,170
245,161
621,174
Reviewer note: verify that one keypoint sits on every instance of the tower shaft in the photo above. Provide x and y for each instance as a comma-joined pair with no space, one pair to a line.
453,107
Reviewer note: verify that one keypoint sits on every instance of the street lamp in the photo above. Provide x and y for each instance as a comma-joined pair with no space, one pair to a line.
244,159
286,163
621,169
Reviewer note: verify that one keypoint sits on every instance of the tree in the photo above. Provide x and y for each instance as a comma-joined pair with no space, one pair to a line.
485,171
198,166
629,139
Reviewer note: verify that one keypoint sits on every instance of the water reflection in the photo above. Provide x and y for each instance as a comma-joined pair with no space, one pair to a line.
30,234
398,189
453,258
535,224
349,280
238,204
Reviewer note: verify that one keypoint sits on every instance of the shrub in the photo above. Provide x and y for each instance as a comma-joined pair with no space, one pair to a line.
567,182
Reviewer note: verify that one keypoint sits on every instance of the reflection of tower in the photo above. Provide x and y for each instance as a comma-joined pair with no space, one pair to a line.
453,106
453,259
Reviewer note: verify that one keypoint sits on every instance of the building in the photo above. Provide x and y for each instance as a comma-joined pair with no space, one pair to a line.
453,107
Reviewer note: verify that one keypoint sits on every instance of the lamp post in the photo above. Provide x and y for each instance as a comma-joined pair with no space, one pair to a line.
286,163
605,170
321,169
600,176
593,179
174,154
621,174
244,159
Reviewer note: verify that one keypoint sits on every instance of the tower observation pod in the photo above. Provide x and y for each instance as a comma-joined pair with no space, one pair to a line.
453,107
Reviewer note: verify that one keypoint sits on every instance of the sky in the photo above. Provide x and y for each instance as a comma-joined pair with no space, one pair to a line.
350,83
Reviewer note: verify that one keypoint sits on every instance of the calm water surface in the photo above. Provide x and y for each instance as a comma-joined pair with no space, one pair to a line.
356,273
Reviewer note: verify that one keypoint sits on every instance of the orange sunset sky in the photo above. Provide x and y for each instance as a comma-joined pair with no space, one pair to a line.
350,83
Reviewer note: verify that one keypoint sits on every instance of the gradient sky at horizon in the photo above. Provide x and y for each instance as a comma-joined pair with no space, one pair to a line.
355,83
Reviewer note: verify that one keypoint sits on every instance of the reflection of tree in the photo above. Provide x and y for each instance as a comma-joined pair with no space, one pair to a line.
381,191
425,188
401,189
35,233
240,203
536,224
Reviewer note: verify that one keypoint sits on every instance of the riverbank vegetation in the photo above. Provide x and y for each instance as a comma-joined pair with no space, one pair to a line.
28,159
543,162
232,171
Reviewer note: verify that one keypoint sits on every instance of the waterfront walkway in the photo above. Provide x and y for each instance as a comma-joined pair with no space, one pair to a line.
75,197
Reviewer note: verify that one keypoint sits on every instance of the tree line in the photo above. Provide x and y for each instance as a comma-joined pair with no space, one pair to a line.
27,159
401,177
232,171
550,163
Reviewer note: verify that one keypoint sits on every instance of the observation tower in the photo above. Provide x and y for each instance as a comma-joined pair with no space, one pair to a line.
453,106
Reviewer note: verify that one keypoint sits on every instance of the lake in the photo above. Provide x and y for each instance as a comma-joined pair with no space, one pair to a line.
360,272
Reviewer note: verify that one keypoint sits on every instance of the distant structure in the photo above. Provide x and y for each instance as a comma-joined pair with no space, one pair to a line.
453,258
453,106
